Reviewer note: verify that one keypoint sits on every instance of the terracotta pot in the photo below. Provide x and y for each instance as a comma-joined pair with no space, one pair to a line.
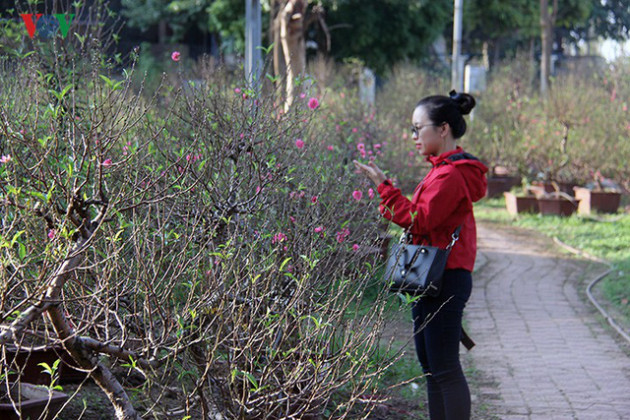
27,360
601,201
520,204
497,185
33,401
558,206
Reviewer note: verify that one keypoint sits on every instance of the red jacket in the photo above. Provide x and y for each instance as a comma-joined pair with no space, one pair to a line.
442,201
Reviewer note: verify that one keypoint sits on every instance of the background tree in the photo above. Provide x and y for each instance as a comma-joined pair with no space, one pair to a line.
176,15
385,32
607,19
499,26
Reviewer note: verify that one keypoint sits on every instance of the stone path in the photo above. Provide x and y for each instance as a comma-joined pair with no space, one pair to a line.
542,347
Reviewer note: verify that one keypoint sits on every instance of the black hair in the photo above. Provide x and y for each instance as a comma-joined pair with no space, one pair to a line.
450,109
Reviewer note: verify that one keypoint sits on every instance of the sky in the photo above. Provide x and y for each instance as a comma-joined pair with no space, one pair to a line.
610,49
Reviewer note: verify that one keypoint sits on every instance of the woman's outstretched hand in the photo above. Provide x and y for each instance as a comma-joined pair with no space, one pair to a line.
371,171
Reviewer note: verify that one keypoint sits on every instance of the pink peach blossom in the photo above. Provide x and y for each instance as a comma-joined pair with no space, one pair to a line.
357,194
175,56
278,237
313,103
299,143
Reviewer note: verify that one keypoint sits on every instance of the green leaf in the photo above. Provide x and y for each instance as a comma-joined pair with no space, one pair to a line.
80,38
286,260
21,251
107,80
16,237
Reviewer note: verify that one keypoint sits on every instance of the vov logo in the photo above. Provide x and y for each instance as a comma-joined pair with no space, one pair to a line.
31,24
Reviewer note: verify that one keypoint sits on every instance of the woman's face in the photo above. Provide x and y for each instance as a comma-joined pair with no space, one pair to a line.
427,136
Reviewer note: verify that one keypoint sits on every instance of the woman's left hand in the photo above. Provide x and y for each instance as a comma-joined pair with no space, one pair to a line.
371,171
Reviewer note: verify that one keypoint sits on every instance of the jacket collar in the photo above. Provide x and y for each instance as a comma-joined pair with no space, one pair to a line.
436,160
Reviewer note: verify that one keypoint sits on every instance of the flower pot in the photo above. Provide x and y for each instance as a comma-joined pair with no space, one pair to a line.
601,201
558,206
520,204
499,184
30,402
27,361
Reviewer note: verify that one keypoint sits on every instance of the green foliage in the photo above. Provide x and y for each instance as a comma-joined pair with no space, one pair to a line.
53,371
180,15
227,18
385,32
607,19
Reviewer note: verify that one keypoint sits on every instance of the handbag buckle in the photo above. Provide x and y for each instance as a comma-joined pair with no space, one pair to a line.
454,239
404,238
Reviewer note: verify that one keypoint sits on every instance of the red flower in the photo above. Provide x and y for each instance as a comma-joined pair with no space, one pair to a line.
313,103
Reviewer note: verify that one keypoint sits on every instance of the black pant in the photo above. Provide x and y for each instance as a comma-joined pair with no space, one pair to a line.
437,346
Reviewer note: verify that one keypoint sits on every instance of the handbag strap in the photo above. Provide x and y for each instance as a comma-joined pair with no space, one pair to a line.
454,236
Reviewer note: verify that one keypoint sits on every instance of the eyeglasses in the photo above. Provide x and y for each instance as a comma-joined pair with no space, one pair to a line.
415,130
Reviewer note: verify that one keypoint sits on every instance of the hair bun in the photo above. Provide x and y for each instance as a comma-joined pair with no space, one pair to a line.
465,102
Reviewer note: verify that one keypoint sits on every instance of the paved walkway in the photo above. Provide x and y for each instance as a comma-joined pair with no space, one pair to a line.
540,345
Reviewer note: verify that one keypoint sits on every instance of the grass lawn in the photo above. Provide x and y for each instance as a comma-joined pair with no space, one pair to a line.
604,236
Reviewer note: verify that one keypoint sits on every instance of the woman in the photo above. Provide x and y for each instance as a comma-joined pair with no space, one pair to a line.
440,203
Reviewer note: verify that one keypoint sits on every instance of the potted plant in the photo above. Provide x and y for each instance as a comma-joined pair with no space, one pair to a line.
22,401
500,181
557,203
602,195
521,200
561,115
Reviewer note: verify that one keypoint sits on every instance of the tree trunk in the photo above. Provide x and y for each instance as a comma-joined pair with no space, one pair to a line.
547,22
293,45
279,66
162,32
